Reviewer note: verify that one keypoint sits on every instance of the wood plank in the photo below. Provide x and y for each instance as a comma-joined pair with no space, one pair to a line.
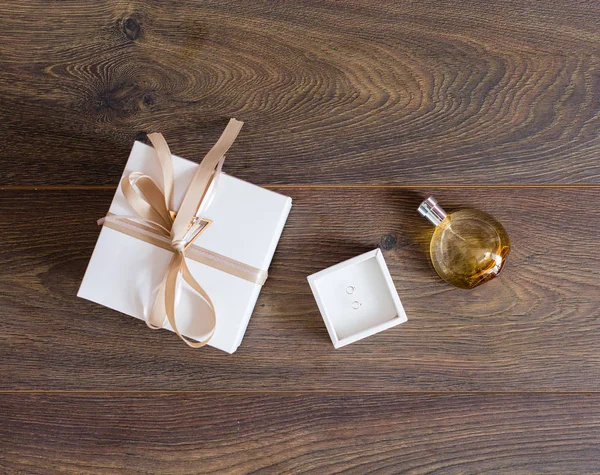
535,328
171,433
440,92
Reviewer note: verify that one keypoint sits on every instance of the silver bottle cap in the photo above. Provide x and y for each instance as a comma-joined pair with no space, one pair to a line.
432,211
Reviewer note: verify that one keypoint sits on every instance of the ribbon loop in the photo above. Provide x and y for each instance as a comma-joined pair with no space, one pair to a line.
146,198
153,206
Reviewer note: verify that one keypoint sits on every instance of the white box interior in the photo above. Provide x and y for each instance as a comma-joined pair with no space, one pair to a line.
357,298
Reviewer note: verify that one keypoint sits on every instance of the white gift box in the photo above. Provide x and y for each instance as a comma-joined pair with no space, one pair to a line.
247,221
357,298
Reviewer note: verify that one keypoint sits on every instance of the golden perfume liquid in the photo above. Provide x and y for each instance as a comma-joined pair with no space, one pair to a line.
468,247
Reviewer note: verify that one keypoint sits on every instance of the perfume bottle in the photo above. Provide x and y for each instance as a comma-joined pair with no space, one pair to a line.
468,247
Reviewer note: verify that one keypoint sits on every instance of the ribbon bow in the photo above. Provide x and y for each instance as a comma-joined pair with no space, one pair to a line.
153,205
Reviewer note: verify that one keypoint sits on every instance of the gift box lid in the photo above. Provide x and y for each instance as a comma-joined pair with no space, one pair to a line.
247,222
357,298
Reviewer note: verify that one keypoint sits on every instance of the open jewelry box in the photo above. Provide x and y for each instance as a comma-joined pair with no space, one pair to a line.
357,298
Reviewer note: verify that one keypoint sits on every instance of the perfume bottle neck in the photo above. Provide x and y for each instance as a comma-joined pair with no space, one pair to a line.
431,210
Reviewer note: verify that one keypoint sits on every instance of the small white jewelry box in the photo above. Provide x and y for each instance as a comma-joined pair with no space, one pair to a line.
357,298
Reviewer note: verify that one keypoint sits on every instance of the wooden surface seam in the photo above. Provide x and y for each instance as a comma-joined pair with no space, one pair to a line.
318,187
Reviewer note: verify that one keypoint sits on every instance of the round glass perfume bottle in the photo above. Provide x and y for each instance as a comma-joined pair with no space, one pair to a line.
468,247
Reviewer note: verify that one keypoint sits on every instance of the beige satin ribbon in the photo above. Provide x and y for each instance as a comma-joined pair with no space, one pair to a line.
128,225
155,224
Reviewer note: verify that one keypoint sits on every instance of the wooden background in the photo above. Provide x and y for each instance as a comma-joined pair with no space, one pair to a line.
357,110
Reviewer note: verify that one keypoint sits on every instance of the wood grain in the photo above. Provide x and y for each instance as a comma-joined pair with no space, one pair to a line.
178,434
431,92
377,104
535,328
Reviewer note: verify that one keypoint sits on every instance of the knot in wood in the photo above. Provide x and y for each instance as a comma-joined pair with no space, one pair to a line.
132,29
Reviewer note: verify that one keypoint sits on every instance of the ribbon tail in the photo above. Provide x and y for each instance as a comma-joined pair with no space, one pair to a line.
212,187
163,153
196,192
